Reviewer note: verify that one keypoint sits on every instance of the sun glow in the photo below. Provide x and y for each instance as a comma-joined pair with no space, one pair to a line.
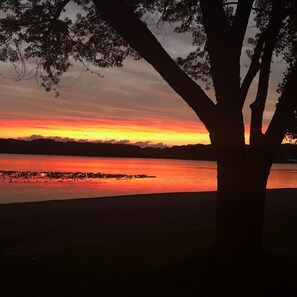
169,132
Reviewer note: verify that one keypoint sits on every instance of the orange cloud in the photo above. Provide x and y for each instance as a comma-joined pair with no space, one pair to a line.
155,130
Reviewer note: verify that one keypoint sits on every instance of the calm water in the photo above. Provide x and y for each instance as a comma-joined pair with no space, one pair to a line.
171,176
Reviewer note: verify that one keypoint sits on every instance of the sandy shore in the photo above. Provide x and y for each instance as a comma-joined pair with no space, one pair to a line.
54,224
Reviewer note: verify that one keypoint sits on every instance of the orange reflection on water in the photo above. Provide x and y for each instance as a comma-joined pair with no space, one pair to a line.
171,176
283,176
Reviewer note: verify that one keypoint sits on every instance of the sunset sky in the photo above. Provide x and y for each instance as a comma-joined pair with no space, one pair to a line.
130,104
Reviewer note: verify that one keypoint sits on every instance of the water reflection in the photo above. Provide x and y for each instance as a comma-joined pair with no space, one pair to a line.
170,176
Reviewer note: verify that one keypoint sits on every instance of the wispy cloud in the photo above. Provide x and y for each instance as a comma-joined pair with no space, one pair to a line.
132,103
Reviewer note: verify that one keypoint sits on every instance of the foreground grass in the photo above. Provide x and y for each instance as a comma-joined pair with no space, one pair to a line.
174,264
138,266
144,246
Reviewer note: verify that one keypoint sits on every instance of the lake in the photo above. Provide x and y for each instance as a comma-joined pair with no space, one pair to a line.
170,176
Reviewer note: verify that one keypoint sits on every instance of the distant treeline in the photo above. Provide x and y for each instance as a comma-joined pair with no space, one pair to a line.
288,152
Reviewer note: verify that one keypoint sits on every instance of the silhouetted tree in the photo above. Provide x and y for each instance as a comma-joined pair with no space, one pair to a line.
107,31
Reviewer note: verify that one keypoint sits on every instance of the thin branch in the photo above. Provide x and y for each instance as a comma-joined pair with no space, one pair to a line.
284,111
236,3
255,62
254,66
81,60
230,3
240,23
122,18
56,16
164,11
253,69
258,106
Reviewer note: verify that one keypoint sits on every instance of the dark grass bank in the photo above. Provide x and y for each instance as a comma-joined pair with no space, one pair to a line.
147,245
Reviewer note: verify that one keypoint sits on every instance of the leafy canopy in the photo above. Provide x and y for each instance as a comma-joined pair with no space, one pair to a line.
40,30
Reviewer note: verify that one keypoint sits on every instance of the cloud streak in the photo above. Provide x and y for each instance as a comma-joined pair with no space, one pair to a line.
132,103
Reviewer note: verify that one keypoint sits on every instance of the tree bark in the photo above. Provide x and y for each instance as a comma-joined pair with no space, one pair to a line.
240,201
241,186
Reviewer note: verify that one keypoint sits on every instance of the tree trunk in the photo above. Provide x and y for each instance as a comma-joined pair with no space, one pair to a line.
240,201
241,187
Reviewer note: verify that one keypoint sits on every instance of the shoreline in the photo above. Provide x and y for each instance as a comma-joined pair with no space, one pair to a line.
183,158
56,223
163,195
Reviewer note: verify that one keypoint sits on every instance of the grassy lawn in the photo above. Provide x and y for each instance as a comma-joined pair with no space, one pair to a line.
173,264
167,262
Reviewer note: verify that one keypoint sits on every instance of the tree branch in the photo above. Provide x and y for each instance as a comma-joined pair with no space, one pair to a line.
215,21
258,106
225,66
56,16
240,22
122,18
284,111
253,69
255,62
236,3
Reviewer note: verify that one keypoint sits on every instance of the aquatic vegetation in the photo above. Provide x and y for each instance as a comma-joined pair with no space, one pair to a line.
31,176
